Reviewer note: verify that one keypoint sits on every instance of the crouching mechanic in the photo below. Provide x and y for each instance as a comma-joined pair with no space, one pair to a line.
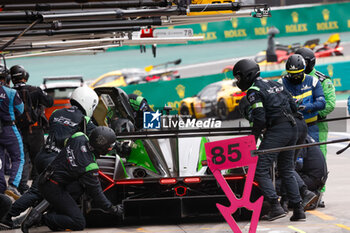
312,169
75,162
63,124
272,108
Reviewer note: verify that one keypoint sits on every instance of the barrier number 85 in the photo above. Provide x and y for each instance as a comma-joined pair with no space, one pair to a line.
220,158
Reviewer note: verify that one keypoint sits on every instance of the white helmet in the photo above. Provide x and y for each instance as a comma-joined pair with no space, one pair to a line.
86,98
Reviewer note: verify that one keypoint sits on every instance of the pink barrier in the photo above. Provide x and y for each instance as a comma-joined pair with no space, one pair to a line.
229,154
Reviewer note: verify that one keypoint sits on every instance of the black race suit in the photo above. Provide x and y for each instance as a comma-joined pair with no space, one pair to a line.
63,124
272,108
34,132
74,163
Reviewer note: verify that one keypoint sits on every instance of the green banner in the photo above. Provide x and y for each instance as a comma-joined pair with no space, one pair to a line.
328,18
170,93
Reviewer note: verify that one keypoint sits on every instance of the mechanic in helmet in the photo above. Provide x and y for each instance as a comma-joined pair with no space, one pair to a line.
63,124
307,196
31,122
306,90
328,91
139,104
271,109
11,106
75,162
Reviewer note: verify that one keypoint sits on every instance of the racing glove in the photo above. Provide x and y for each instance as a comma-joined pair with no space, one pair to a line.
122,148
116,210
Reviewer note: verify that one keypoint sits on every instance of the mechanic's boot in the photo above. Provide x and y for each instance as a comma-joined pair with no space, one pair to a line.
308,199
33,218
284,204
298,213
7,222
275,212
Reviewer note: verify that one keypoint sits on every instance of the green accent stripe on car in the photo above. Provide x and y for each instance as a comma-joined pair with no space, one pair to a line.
202,154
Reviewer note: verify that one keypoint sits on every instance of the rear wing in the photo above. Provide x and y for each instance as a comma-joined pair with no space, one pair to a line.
65,78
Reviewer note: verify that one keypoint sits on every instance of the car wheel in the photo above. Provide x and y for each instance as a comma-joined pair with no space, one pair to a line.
184,110
222,110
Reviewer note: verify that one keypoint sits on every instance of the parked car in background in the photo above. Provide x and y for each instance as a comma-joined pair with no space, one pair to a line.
219,99
329,48
60,88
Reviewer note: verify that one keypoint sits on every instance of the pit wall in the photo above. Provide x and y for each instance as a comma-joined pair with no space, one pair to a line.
170,93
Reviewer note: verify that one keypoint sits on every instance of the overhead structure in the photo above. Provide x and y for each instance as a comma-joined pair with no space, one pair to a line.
61,26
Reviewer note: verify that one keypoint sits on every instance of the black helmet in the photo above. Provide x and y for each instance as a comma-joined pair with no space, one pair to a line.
295,67
309,58
246,71
18,73
102,139
4,74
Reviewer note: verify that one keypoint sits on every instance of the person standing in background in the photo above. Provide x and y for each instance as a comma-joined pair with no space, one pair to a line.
328,91
11,106
31,122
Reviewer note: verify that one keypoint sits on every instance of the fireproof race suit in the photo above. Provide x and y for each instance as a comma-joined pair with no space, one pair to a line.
272,108
329,95
11,106
74,163
30,126
60,119
63,124
309,94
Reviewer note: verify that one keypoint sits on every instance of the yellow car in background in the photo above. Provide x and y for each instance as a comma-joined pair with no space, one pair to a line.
120,78
219,99
129,76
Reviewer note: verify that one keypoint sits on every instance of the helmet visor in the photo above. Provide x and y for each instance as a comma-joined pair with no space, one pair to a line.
238,76
296,78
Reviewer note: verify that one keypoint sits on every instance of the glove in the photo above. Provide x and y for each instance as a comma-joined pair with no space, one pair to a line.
308,107
301,108
116,210
122,148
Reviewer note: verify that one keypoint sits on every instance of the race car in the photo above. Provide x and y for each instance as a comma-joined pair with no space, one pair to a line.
120,78
162,177
219,99
329,48
60,88
124,77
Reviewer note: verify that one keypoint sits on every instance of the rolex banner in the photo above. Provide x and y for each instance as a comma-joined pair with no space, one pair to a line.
178,89
327,18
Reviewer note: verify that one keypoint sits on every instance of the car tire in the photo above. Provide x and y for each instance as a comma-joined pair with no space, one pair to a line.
184,110
222,110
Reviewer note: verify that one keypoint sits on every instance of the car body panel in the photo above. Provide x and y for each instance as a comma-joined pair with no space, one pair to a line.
61,89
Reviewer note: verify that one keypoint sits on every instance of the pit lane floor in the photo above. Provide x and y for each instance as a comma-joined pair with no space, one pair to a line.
334,218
